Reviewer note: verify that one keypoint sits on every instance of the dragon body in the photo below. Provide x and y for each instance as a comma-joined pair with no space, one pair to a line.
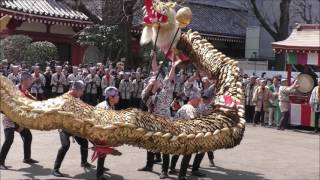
222,128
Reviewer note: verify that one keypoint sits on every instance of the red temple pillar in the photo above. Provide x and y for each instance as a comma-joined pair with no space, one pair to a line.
77,54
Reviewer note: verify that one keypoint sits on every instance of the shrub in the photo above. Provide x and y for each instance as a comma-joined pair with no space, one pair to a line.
14,47
41,52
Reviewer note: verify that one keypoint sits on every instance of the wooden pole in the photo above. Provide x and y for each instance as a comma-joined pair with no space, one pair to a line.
289,70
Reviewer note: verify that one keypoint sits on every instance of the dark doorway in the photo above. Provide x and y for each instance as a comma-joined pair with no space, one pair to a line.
64,51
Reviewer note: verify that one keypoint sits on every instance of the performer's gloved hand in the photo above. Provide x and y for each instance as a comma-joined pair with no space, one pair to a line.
116,152
152,53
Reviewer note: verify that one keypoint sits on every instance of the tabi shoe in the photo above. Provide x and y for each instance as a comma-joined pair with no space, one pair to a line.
211,163
145,169
30,161
102,178
164,175
3,166
173,171
198,174
86,165
57,173
158,160
182,178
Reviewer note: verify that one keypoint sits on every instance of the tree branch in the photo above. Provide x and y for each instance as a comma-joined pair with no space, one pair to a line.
86,11
78,5
284,19
262,20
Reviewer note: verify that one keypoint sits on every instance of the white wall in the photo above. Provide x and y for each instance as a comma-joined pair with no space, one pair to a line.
57,29
253,65
92,54
32,26
252,41
270,74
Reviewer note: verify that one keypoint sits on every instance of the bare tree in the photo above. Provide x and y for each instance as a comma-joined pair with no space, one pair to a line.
279,30
304,10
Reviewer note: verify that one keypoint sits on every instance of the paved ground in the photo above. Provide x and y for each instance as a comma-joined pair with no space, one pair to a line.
263,154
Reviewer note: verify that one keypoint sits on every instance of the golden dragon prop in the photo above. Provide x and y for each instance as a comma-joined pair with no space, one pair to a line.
222,128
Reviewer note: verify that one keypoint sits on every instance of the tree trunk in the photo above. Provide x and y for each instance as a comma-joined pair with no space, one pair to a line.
279,31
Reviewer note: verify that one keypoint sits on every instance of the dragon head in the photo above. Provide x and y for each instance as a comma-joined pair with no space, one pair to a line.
158,12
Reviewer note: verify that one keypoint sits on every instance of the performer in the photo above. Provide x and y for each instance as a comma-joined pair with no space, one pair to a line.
158,96
284,92
10,127
315,104
188,111
205,109
38,85
76,91
112,98
58,81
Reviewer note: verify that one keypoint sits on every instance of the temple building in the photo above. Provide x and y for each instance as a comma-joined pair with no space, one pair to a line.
47,20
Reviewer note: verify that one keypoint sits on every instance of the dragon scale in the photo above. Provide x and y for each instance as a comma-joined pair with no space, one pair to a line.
222,128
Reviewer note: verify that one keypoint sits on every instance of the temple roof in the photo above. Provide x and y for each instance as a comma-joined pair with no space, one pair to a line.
212,18
305,37
47,11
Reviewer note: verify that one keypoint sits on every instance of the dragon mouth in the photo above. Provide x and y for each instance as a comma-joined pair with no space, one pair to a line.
155,17
152,14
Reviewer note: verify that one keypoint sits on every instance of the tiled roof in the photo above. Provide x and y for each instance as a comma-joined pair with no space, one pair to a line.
48,8
218,20
210,19
95,6
230,4
305,37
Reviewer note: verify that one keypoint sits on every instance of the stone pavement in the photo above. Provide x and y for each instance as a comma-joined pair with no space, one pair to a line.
263,154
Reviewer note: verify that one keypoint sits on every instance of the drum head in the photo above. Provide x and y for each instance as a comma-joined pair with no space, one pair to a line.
306,83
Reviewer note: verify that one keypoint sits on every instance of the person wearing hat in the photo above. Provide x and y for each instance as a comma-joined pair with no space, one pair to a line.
158,95
189,111
284,91
9,126
205,109
111,100
58,81
76,91
315,105
92,82
261,97
249,106
38,85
